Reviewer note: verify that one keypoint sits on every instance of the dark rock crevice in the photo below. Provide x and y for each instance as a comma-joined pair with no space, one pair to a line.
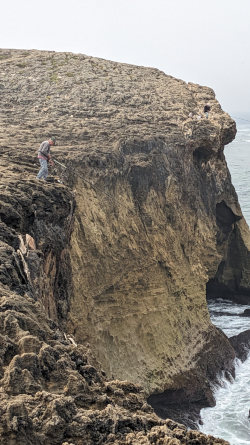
229,281
194,390
225,220
38,263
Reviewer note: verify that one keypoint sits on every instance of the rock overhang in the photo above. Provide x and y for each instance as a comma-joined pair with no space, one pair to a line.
127,131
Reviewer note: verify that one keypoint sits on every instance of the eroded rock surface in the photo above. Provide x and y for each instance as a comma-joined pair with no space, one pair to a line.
51,392
120,254
241,344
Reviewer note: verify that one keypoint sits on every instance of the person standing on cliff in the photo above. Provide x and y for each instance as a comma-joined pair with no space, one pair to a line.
44,157
207,108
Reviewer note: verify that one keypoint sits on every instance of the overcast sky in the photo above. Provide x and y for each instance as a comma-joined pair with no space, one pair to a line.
207,42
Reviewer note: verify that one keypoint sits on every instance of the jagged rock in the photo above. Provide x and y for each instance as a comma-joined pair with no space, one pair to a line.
51,392
241,344
246,313
120,252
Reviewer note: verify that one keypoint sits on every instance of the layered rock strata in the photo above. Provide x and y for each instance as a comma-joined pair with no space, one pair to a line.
52,393
51,390
121,253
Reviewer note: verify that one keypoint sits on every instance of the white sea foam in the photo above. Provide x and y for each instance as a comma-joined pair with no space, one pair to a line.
229,418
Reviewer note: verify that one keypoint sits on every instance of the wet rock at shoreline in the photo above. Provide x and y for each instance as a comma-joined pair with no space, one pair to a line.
246,313
241,344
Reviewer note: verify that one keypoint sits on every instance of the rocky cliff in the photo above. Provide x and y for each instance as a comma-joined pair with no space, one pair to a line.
120,255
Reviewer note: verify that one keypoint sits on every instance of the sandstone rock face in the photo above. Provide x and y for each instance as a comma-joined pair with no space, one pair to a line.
121,253
51,392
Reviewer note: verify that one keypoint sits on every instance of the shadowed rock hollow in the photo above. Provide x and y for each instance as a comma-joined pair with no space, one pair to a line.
119,256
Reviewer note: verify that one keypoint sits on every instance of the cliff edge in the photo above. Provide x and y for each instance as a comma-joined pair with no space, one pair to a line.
145,223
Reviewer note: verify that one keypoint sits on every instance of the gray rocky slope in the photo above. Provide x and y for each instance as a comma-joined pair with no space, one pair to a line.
104,276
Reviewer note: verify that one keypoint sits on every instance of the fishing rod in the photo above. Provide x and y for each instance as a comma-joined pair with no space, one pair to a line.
85,180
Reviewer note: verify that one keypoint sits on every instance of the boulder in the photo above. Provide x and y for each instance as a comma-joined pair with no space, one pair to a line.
241,344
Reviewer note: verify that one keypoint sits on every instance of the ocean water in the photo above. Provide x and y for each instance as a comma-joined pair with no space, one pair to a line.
238,160
229,419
